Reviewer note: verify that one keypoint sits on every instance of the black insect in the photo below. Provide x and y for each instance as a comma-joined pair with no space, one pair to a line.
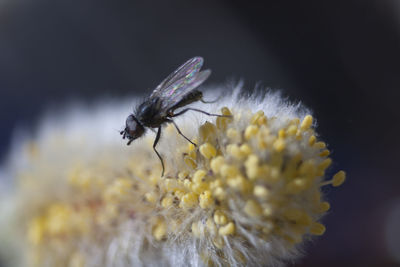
176,91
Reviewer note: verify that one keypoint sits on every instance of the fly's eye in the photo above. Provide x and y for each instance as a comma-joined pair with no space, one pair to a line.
131,123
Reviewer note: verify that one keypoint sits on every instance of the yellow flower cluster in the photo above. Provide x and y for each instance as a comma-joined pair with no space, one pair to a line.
250,180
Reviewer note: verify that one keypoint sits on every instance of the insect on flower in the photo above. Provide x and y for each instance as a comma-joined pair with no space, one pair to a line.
176,91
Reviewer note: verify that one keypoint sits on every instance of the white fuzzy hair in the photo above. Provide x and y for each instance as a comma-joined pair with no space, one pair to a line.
98,126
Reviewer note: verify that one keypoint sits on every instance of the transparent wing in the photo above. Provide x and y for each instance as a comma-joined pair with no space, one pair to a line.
185,72
177,90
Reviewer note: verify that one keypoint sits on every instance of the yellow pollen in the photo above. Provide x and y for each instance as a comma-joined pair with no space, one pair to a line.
292,130
324,153
167,202
171,184
57,219
250,131
299,135
282,134
193,154
215,184
339,178
225,111
196,229
320,145
187,183
179,194
220,217
222,122
279,145
189,200
240,183
325,164
295,121
207,150
262,121
317,229
220,193
190,162
256,117
228,229
199,175
154,179
306,123
234,150
183,174
36,229
312,140
216,164
323,207
229,170
251,165
151,197
191,147
159,230
205,199
198,188
207,132
245,149
218,242
261,192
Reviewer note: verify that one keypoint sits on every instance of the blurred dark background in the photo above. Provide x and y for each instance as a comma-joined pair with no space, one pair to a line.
340,58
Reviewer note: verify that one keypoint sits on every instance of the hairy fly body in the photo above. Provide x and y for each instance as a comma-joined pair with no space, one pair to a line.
176,91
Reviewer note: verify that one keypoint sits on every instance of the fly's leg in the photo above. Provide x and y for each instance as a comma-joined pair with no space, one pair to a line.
155,150
198,110
179,131
123,133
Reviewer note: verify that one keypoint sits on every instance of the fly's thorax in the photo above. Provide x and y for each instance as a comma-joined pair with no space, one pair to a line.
150,114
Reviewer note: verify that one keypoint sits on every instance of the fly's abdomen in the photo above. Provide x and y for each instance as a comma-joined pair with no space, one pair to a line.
191,97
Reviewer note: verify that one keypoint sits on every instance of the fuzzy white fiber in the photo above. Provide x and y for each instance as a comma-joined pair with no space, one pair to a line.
82,134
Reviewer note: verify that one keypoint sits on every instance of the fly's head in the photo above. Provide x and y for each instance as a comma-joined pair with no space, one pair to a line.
133,129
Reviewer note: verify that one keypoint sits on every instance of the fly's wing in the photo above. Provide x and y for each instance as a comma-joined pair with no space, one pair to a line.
189,69
171,95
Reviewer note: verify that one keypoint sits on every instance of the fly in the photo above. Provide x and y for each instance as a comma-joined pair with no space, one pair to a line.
176,91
